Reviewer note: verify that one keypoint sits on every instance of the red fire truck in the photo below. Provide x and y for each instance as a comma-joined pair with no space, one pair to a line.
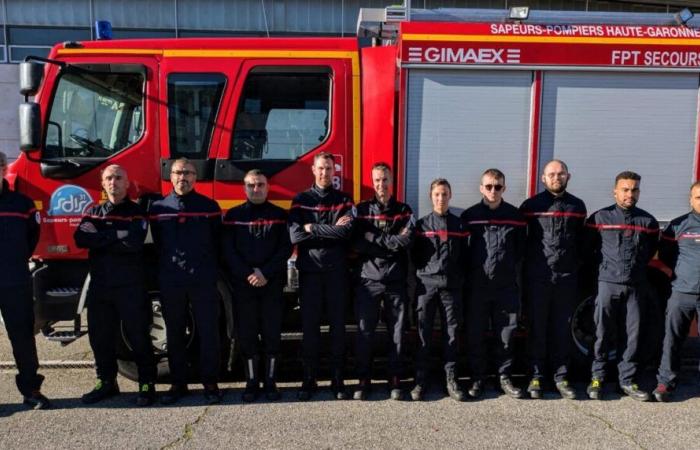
440,93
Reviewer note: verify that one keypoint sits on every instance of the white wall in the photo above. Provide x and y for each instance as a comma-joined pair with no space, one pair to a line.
9,102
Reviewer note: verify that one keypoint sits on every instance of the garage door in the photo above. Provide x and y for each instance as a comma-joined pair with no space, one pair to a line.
461,122
603,123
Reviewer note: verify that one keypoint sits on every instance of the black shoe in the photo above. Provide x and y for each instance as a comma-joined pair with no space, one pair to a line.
103,390
509,389
418,391
271,391
307,390
338,389
534,388
595,389
662,393
634,392
174,394
362,389
212,394
147,394
251,391
476,389
453,390
36,400
395,391
565,390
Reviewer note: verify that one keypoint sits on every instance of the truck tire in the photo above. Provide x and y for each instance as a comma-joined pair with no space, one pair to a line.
127,365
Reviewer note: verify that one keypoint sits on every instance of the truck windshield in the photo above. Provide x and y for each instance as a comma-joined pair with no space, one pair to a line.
94,114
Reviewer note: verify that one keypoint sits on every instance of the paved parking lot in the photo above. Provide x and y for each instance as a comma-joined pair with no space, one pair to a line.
494,422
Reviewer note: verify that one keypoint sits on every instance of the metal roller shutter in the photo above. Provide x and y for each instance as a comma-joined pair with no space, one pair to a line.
461,122
601,123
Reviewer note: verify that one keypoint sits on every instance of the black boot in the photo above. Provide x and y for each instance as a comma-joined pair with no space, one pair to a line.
477,388
453,389
103,389
271,392
362,389
419,390
338,386
395,391
308,386
251,380
509,389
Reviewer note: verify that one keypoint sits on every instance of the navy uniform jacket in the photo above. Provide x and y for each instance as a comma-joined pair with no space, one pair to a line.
114,262
555,235
186,231
497,243
19,234
256,236
622,242
440,249
325,248
679,249
382,249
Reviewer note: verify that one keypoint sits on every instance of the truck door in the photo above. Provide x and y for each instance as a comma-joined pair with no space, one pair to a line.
284,112
192,109
461,122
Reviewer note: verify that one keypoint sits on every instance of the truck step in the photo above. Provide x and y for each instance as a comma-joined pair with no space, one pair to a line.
64,337
61,292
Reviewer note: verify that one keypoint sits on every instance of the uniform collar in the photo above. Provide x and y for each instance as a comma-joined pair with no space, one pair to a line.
321,191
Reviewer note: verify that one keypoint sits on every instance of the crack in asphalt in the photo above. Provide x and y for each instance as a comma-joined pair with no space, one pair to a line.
609,425
188,432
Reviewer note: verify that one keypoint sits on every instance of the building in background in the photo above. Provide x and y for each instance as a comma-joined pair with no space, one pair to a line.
31,27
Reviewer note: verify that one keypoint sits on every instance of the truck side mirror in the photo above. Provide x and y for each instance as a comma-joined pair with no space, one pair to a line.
29,126
30,76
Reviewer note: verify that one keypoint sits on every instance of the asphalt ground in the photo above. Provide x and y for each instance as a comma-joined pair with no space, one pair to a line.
492,422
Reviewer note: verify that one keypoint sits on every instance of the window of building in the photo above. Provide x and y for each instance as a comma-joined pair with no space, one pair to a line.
193,104
282,114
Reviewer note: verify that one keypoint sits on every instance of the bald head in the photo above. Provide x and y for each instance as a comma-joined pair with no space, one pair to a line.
115,183
555,176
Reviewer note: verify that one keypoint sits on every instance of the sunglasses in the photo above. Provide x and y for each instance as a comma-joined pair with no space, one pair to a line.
493,187
185,173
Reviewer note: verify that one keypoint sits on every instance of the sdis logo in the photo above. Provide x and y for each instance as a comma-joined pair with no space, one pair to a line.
69,200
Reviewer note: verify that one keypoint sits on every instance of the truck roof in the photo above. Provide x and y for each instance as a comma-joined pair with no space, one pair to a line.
213,43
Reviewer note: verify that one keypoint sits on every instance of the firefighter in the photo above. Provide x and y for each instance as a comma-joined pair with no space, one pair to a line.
496,250
19,221
555,235
623,239
679,249
186,227
114,232
440,248
383,232
255,245
320,224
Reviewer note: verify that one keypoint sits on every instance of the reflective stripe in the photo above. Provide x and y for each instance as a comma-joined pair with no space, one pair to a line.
255,222
18,214
184,214
442,233
322,207
516,223
385,217
123,218
555,214
622,227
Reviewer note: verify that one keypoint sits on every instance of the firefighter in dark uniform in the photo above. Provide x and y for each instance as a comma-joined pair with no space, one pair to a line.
623,239
679,249
320,224
382,235
186,227
555,236
19,221
439,251
255,245
114,232
496,250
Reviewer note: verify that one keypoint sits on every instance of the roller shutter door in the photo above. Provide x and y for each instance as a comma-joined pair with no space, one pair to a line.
601,123
461,122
